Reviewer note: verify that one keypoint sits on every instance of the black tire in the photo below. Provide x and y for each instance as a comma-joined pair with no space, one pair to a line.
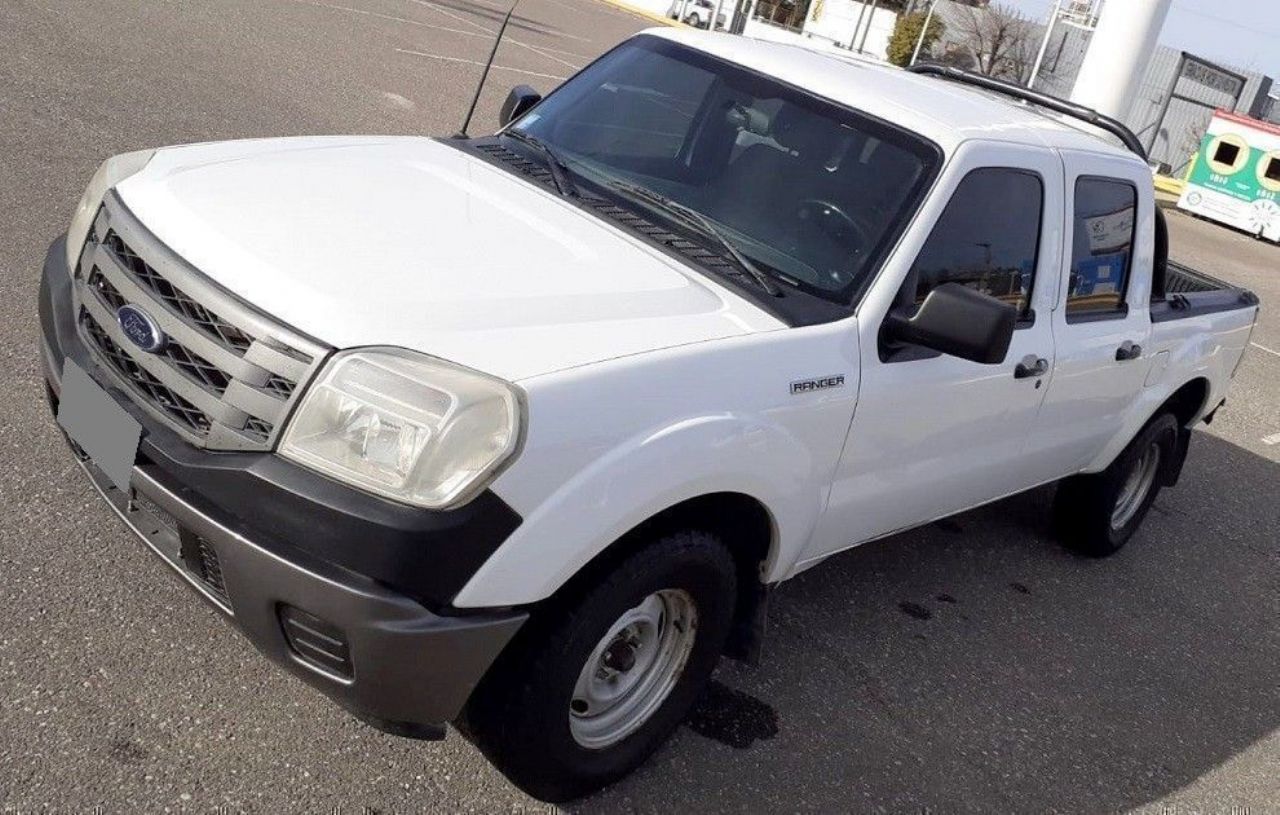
1086,505
519,716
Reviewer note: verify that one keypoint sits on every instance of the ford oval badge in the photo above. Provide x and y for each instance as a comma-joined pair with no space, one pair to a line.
141,328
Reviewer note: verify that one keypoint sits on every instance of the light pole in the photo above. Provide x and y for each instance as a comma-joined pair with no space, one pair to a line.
1044,44
867,30
924,29
853,40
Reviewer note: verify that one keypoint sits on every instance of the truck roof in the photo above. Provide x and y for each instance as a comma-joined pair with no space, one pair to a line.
946,112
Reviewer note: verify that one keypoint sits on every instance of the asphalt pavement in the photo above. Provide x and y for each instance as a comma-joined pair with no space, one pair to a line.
971,665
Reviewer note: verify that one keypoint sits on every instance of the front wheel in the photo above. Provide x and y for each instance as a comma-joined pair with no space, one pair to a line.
597,681
1097,514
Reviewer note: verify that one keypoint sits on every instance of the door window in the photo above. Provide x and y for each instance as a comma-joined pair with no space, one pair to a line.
1102,247
988,238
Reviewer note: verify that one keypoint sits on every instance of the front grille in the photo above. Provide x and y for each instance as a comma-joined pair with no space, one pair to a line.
226,376
151,388
257,428
106,292
316,641
197,368
172,296
282,386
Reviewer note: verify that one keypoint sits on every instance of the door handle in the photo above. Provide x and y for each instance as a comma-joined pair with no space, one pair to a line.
1031,366
1128,350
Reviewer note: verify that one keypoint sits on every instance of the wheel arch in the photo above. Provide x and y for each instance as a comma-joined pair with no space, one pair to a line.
1188,402
742,522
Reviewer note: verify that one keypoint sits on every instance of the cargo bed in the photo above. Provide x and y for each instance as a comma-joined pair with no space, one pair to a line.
1188,293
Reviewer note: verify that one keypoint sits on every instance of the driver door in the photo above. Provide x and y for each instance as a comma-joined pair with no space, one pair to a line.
936,434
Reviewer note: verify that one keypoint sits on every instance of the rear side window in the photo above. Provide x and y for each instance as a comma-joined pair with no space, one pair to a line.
1102,246
988,238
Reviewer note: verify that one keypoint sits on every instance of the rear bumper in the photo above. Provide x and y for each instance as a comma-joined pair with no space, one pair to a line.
375,650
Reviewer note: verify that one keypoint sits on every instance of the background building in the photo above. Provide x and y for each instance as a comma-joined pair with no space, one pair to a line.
1177,95
1170,113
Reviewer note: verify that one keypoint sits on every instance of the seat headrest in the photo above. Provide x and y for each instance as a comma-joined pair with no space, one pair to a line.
748,119
802,132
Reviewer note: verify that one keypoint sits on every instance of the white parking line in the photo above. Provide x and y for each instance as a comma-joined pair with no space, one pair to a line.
1265,348
537,49
476,62
481,33
572,7
443,10
388,17
396,100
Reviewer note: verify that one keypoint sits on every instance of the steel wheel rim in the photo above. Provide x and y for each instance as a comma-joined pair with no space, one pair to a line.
1136,486
633,669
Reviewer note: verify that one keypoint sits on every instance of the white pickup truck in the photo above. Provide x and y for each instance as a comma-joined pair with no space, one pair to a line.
519,431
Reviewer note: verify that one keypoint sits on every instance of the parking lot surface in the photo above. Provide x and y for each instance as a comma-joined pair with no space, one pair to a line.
972,665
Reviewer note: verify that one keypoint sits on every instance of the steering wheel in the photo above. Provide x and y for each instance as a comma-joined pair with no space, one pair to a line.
833,221
840,237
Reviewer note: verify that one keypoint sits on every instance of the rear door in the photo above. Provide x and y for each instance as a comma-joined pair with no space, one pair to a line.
1102,321
934,434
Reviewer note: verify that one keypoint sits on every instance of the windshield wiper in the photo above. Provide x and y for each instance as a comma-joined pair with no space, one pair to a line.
703,225
560,174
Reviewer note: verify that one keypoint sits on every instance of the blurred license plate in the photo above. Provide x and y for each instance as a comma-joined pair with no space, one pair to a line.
103,429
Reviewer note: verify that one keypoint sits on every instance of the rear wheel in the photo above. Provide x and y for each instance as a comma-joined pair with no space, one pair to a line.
598,680
1097,514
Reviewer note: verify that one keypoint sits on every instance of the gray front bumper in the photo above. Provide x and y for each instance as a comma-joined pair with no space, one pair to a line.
412,670
408,670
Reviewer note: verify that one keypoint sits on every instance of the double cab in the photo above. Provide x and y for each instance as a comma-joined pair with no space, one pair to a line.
519,432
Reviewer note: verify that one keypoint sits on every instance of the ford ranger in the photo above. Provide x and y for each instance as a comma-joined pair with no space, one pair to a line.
519,432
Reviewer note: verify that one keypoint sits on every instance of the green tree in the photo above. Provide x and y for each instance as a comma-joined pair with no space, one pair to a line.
906,32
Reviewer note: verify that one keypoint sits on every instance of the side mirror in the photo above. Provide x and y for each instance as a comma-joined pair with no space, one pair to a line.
519,101
959,321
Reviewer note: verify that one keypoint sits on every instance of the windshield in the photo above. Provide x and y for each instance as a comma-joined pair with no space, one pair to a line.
810,191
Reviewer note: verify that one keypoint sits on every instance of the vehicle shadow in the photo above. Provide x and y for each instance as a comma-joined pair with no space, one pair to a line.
976,665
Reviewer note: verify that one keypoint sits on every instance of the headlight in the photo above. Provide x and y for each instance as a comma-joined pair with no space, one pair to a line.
406,426
110,173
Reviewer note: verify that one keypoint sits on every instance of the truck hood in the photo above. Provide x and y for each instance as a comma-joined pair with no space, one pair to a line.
413,243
